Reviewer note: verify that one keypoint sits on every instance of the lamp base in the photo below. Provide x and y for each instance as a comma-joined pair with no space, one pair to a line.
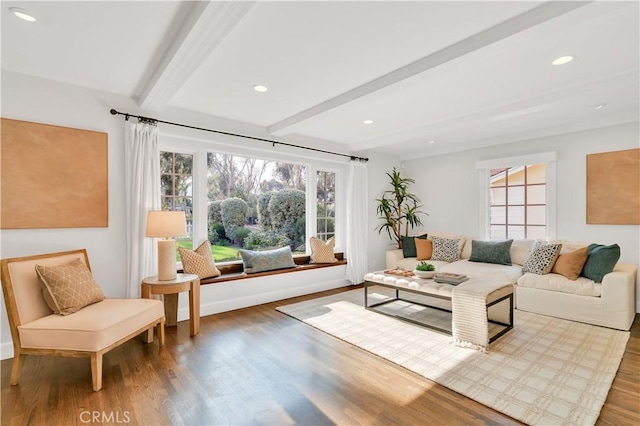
167,260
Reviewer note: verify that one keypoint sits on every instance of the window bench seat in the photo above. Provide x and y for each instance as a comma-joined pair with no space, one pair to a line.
234,271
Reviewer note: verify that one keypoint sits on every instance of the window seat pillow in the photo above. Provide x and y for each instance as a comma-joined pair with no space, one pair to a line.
267,260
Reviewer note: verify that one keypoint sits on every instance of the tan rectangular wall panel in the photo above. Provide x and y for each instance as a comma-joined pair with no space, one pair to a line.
52,177
613,187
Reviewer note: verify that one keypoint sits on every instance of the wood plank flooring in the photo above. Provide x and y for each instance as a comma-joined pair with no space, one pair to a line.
258,366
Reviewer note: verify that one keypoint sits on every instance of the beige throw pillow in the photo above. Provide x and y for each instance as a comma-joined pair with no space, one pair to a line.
199,261
322,252
68,288
570,264
424,249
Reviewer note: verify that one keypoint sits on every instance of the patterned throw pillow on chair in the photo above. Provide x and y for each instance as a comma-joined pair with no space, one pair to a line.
445,249
542,258
322,252
199,261
68,288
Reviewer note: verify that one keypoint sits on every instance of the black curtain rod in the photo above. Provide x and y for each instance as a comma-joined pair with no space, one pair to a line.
274,143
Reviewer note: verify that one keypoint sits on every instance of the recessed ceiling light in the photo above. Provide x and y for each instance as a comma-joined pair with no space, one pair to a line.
599,106
367,122
431,141
563,60
261,89
22,14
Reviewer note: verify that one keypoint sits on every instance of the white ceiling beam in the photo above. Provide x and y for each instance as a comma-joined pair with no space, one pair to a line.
206,25
519,23
496,112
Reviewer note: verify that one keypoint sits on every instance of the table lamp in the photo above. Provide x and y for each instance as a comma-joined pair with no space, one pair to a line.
166,225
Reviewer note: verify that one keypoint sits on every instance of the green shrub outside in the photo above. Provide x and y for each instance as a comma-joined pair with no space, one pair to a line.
216,232
215,214
286,208
264,217
234,214
265,239
239,234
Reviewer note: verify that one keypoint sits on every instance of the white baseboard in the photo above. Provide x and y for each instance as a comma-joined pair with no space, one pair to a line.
218,306
6,350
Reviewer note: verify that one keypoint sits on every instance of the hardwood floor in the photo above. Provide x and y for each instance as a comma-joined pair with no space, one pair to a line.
258,366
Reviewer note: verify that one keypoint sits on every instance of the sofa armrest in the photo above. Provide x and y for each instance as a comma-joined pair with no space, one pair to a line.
393,256
619,296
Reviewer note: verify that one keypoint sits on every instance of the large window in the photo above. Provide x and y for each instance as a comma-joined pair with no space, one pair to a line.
518,202
176,183
255,204
240,197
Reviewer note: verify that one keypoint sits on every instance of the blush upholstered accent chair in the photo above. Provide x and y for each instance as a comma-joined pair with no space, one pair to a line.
91,331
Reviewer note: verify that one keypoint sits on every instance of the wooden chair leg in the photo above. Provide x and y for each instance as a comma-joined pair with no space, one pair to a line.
96,371
15,367
161,333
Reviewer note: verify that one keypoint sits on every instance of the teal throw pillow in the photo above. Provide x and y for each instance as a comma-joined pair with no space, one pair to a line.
409,245
602,259
268,260
498,252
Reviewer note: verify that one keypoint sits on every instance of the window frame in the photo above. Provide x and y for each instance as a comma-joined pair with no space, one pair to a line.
199,148
484,167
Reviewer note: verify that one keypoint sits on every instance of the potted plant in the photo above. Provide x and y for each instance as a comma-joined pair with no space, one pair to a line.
424,270
398,209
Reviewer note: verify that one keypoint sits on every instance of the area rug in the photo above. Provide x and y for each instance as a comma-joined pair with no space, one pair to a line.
546,371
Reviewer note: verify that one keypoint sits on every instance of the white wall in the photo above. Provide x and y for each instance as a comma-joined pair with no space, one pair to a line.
32,99
448,185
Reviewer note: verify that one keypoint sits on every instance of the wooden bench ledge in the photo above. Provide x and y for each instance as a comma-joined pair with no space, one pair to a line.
234,271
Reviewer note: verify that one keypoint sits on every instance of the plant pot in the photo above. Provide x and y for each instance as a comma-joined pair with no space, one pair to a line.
424,274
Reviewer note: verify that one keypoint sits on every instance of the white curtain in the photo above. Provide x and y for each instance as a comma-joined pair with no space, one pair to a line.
357,223
142,189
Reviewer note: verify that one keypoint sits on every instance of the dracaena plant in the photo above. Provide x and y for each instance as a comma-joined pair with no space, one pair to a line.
398,209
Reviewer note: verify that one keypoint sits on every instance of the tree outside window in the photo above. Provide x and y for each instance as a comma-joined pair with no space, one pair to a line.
255,204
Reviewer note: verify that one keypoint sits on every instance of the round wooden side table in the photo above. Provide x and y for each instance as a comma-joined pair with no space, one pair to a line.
170,290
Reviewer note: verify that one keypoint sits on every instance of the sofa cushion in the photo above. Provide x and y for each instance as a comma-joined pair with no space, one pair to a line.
542,258
602,259
92,328
570,264
424,249
68,288
483,270
268,260
409,245
556,282
445,249
520,250
491,252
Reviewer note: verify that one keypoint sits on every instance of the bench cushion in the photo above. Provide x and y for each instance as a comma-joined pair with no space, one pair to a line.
93,328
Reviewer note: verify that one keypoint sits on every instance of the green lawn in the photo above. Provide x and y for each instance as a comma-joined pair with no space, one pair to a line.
220,253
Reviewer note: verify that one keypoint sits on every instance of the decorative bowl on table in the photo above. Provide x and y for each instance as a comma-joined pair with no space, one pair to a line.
424,274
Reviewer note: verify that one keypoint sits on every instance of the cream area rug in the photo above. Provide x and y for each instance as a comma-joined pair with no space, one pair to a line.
545,371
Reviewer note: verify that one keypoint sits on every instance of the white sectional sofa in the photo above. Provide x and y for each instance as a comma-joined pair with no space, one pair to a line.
609,304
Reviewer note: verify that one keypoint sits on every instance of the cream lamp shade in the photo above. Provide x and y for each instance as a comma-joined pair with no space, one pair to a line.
166,224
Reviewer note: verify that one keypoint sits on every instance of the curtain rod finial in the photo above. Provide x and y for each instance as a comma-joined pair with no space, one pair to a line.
113,111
